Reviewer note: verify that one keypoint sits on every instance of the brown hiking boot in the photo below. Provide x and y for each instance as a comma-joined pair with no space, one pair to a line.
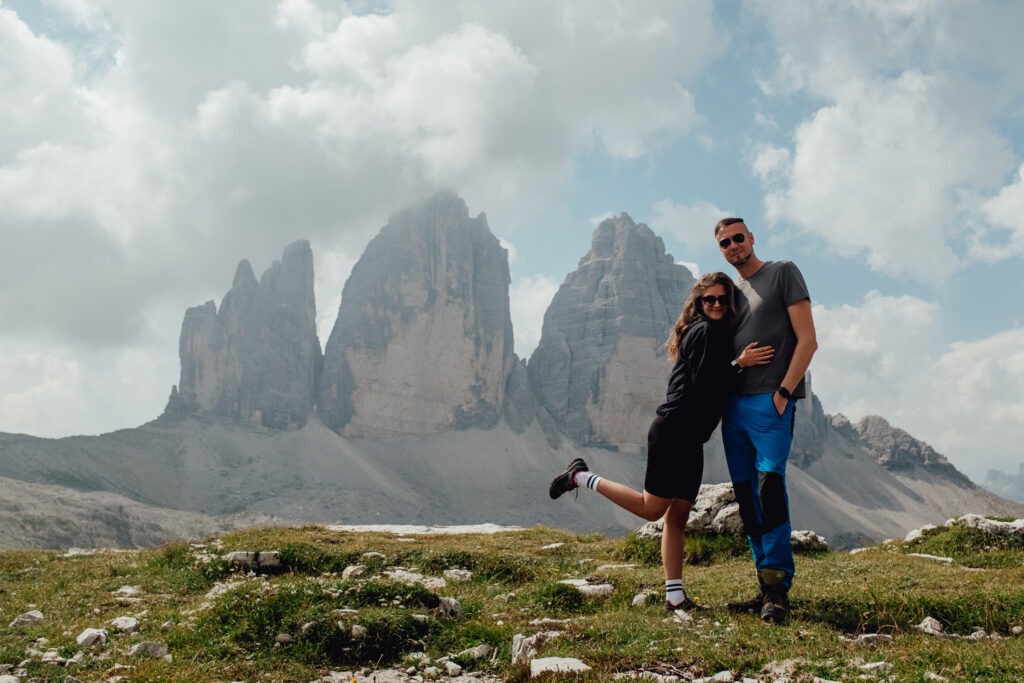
752,606
775,609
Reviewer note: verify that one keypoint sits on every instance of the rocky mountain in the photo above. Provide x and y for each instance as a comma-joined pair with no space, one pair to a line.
423,338
1006,485
256,360
599,370
420,412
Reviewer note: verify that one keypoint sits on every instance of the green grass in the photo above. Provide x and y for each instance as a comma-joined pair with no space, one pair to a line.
225,624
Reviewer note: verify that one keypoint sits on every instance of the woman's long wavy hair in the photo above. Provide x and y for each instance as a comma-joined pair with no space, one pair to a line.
693,309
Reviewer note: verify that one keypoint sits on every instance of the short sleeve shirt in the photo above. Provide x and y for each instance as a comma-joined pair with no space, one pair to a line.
762,301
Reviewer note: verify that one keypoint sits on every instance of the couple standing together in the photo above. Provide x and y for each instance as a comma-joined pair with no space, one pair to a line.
740,353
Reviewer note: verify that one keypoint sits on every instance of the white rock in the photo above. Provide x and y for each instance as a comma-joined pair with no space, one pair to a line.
353,571
431,672
421,618
807,540
6,678
1014,528
478,652
856,551
681,616
268,560
878,667
449,607
915,534
641,598
931,626
241,558
30,618
403,576
524,648
128,590
420,658
125,624
371,555
930,676
358,631
458,574
947,560
548,620
453,669
606,567
52,657
556,664
868,639
591,589
1017,630
156,650
283,638
551,546
92,636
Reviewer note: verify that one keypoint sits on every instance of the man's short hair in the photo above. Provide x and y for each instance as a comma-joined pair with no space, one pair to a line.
726,222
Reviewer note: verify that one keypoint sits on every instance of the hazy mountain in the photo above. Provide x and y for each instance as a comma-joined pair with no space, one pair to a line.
1006,485
420,411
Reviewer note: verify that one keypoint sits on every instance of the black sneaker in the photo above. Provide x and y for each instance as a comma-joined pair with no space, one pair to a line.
776,607
752,606
566,480
686,605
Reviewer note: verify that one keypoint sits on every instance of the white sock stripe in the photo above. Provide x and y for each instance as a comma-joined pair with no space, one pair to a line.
592,482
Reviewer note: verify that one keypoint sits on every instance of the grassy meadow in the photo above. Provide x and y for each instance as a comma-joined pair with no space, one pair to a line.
222,624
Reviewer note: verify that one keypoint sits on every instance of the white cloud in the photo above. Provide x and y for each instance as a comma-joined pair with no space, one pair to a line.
692,224
529,298
1006,210
906,141
879,358
690,266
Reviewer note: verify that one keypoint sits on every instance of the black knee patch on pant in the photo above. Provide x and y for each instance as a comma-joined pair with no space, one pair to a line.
748,513
771,489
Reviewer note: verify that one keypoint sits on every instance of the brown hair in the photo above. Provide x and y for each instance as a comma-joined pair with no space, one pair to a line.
693,309
726,222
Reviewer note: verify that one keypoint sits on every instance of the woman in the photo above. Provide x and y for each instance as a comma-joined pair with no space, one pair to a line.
701,345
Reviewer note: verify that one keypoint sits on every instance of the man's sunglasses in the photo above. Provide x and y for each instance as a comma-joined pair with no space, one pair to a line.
738,238
723,299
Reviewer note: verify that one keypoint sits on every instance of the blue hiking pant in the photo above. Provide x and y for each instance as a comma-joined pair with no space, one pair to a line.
757,441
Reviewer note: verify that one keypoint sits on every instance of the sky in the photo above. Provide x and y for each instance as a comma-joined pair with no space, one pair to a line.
146,148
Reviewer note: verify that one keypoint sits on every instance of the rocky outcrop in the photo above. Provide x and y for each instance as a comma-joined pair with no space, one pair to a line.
256,360
599,371
811,427
423,339
895,449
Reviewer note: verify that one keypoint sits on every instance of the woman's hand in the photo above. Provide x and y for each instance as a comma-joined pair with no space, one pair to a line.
755,355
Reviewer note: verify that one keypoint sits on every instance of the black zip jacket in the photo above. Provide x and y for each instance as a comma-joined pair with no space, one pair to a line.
702,378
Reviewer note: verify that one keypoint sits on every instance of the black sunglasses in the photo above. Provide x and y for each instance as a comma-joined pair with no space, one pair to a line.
722,299
738,238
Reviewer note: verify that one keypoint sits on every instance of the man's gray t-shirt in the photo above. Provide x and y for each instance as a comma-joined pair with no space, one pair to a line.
762,302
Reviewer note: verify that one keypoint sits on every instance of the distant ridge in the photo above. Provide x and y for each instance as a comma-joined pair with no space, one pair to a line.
419,411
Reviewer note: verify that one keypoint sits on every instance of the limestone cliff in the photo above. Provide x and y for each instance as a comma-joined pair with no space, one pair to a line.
255,360
895,449
599,371
423,339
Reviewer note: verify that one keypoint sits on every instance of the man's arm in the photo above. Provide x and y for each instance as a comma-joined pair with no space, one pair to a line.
806,345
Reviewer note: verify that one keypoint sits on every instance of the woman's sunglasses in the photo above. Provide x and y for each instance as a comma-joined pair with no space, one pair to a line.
738,238
723,299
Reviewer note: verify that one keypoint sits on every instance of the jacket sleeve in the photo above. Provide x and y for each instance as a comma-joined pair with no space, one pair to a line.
711,375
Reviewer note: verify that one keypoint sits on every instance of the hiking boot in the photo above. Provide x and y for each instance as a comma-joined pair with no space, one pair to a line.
776,607
566,481
752,606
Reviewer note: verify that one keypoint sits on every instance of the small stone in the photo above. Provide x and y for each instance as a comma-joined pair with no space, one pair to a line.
283,638
372,555
478,652
931,626
453,669
597,590
449,607
92,636
125,624
552,546
411,670
421,618
9,679
545,665
353,571
640,599
358,631
53,657
607,567
879,667
241,558
156,650
72,679
128,591
431,672
167,626
1017,630
268,560
458,574
30,618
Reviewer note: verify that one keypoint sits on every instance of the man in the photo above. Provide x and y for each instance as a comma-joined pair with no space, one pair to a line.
757,429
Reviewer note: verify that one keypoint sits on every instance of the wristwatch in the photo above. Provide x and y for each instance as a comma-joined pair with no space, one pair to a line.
784,393
736,366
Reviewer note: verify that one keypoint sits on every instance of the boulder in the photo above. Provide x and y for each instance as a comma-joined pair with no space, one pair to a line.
30,618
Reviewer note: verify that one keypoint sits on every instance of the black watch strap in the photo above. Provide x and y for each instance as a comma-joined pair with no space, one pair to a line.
784,393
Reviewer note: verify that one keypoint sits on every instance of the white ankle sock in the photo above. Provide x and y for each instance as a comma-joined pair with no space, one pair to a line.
587,479
674,592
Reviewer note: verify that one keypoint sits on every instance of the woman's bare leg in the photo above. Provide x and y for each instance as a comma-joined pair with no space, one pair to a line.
645,504
673,537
